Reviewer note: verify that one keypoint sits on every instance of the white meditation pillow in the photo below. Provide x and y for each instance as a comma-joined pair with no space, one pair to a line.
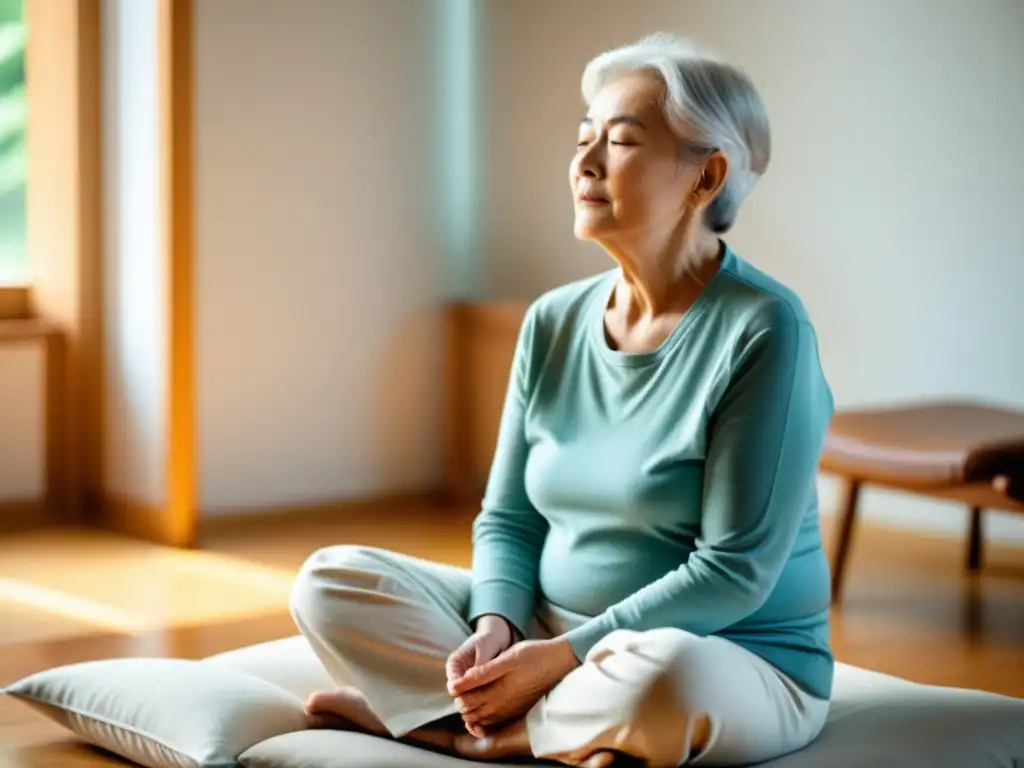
875,720
163,713
346,749
884,721
289,663
292,665
246,706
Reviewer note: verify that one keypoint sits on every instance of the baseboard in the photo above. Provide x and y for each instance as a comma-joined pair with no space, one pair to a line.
118,514
131,517
147,521
403,506
18,515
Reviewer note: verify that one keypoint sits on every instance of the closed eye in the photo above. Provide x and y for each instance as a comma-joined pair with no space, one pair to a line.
613,143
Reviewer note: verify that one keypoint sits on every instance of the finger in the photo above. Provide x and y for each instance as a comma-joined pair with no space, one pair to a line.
487,719
486,714
453,666
473,725
461,660
470,702
482,675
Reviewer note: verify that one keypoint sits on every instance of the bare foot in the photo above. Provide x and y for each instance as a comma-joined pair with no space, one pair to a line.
513,741
598,760
346,709
343,709
510,741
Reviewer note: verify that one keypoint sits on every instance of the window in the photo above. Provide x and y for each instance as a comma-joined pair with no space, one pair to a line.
13,160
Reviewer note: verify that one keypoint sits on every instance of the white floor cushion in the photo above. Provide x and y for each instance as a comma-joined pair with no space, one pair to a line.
163,713
337,749
885,722
875,720
289,663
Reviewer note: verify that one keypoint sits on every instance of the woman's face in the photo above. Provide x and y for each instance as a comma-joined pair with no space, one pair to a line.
626,177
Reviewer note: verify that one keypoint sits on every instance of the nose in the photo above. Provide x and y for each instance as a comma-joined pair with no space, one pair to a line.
589,162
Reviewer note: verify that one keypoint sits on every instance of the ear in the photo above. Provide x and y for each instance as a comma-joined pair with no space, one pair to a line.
711,179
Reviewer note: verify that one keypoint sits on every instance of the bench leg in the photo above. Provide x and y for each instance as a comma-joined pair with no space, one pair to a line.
847,514
974,541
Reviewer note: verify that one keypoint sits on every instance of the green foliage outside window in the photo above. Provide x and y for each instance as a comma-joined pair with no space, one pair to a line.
13,161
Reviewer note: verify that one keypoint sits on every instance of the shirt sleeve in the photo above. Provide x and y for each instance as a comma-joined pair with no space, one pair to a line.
764,442
509,533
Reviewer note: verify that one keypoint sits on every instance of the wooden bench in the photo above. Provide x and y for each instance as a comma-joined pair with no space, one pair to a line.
965,451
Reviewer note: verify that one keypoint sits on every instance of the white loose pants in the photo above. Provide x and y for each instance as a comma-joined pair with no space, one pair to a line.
386,623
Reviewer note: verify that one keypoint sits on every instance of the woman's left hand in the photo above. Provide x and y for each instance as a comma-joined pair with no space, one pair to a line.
509,685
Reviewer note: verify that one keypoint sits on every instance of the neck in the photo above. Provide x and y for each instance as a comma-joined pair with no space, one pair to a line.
665,274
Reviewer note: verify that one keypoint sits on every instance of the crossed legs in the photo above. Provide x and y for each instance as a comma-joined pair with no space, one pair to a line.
383,625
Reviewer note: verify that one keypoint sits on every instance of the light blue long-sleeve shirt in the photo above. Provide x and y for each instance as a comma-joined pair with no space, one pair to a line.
672,488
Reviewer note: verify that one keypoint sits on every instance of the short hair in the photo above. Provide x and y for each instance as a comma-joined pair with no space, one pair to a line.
708,103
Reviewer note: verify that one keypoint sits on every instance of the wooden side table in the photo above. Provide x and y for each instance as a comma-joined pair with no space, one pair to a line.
967,451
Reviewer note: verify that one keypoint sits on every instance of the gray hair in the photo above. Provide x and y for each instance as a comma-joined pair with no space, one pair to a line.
708,104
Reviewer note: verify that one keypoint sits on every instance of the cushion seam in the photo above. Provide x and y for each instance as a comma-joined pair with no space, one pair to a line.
133,730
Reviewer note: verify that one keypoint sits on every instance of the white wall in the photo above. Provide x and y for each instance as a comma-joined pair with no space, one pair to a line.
892,204
327,141
22,424
135,310
318,272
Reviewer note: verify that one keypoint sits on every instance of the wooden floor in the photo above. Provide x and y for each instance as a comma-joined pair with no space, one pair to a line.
73,595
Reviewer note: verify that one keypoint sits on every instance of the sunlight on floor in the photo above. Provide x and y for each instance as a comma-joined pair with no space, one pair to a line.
69,582
41,600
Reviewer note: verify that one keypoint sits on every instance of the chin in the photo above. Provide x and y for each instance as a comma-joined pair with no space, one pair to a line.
586,230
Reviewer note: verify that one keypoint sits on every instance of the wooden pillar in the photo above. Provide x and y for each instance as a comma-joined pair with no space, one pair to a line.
64,237
177,61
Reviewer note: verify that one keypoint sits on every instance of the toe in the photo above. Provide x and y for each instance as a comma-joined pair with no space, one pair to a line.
313,703
326,720
319,702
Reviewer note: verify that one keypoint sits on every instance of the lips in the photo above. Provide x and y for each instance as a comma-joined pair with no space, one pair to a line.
592,199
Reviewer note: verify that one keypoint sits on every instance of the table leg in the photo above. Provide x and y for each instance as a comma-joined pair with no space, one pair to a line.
847,515
974,541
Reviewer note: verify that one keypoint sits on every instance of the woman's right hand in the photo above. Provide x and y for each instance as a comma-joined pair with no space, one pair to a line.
493,635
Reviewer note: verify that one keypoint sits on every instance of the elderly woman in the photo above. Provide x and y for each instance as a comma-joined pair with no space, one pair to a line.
648,576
